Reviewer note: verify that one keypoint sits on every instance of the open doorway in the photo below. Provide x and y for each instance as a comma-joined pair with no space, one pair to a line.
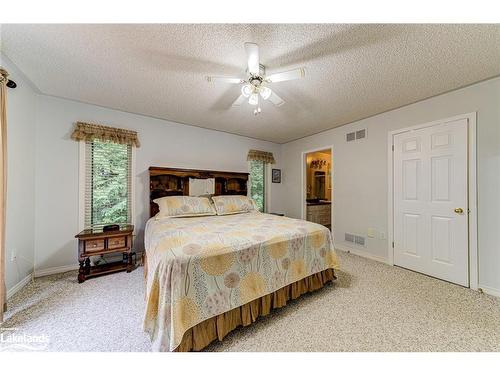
318,187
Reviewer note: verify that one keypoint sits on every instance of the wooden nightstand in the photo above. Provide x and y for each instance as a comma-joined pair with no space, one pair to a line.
92,242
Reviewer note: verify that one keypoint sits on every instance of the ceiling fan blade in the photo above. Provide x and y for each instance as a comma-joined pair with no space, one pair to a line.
239,101
276,100
287,76
225,79
253,58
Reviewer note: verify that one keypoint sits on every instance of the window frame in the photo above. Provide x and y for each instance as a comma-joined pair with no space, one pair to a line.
82,180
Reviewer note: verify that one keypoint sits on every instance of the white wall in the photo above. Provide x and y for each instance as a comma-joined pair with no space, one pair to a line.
163,143
360,171
20,228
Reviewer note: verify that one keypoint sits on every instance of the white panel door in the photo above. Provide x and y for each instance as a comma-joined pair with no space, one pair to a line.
430,201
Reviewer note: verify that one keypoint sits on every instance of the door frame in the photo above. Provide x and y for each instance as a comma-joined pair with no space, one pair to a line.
303,190
473,266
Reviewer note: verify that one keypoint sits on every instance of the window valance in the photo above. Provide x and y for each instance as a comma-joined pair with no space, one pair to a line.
266,157
89,132
3,75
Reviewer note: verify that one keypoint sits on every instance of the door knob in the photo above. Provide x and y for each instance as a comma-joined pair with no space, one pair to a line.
459,210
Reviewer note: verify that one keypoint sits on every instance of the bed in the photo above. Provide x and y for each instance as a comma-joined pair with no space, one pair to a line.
208,275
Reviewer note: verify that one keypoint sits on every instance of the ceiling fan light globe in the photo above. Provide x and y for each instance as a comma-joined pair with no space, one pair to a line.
254,99
265,92
247,90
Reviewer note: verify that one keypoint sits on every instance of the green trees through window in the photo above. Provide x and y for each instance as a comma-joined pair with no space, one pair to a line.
108,198
257,183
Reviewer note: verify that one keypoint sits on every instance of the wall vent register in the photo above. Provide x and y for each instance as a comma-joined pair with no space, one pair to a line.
349,237
353,136
360,134
358,240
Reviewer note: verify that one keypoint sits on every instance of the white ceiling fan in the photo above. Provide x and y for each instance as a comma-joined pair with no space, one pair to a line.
256,83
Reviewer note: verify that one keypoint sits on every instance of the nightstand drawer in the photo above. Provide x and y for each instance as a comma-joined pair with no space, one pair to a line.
94,245
116,242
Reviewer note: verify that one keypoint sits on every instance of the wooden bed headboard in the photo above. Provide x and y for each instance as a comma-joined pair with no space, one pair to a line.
165,182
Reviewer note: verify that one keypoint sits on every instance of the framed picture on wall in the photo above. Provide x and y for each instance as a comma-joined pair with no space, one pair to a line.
276,176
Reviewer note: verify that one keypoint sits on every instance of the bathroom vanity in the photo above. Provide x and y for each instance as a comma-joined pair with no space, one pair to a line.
320,212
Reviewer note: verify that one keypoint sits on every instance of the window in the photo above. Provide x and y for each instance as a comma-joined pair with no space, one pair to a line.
108,183
258,183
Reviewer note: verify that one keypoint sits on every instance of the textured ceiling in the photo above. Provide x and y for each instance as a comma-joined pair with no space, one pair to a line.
352,71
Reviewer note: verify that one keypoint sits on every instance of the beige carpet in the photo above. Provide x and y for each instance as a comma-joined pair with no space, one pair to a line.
372,307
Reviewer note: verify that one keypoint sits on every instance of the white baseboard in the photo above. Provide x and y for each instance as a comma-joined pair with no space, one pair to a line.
54,270
489,290
360,253
21,284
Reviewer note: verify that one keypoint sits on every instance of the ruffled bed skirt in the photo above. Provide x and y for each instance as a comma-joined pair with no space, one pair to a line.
202,334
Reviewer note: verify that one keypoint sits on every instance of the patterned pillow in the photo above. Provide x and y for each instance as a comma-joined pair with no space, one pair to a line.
183,206
233,204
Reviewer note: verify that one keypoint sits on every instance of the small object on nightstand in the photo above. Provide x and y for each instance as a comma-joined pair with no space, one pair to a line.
277,214
110,228
97,241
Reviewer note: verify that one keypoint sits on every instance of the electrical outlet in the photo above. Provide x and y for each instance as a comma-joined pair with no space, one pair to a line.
382,235
13,255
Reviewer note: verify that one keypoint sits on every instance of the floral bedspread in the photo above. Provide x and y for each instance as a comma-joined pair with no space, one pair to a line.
200,267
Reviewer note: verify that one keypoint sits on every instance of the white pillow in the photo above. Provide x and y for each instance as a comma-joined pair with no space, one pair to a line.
233,204
184,206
